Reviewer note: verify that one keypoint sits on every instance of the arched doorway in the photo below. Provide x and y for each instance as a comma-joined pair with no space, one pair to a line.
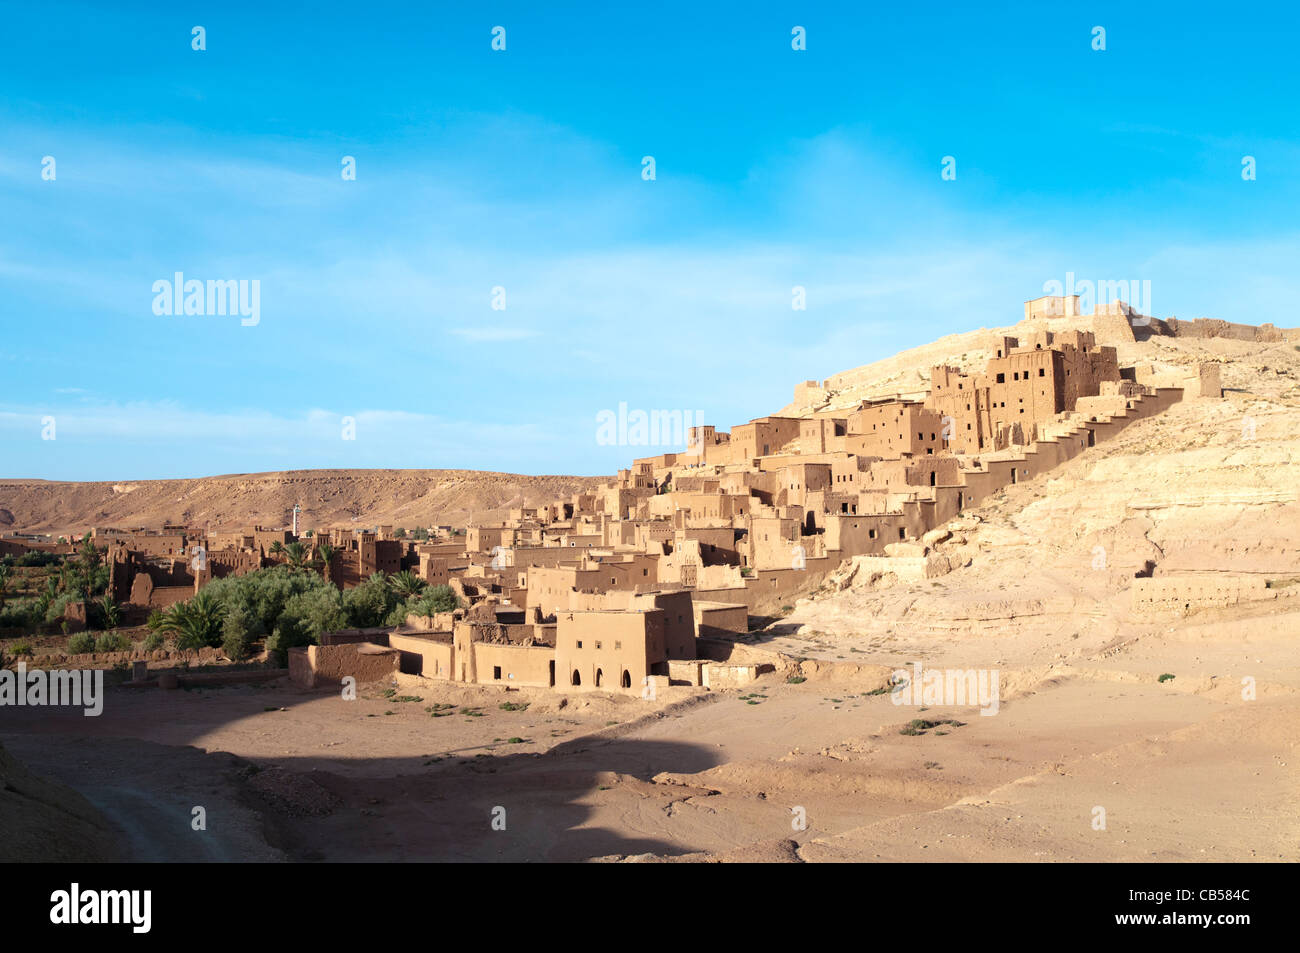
577,679
627,679
599,677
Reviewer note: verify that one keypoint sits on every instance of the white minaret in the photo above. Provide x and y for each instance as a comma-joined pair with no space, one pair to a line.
296,510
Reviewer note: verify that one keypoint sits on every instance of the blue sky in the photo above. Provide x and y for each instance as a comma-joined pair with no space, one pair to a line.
522,169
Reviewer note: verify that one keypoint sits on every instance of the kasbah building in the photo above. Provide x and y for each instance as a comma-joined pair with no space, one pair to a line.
646,582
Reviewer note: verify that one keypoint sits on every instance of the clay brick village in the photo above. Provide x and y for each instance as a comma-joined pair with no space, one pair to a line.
649,581
762,565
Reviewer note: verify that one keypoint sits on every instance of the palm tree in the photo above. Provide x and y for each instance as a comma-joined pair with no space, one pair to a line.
49,595
324,556
112,611
296,554
195,623
277,548
406,584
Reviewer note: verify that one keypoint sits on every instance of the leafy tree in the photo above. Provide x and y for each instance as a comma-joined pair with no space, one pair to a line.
240,628
442,598
421,534
431,601
369,603
265,591
399,533
305,617
4,584
315,611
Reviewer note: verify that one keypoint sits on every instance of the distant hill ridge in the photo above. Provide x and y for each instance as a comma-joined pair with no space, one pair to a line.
407,498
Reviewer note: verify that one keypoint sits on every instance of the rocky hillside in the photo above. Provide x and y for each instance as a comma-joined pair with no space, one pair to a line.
406,498
1209,485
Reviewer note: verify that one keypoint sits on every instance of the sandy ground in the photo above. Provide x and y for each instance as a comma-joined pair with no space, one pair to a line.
1183,773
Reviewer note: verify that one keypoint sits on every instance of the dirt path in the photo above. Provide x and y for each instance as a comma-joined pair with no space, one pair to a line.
148,793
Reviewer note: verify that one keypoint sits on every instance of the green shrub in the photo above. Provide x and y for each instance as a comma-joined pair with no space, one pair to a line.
21,648
919,726
240,628
236,645
21,615
112,642
428,603
81,644
290,633
266,592
370,603
154,641
316,610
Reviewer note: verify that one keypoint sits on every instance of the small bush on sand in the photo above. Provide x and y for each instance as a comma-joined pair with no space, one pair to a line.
81,644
